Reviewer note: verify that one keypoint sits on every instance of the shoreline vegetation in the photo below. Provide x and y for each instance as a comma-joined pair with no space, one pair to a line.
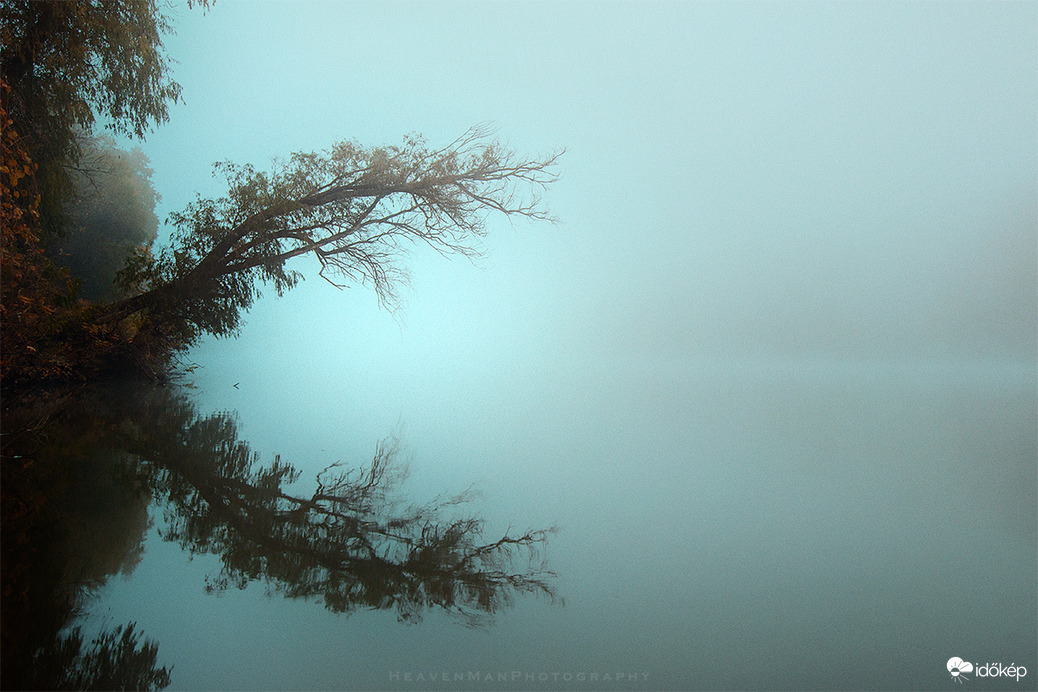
86,294
88,303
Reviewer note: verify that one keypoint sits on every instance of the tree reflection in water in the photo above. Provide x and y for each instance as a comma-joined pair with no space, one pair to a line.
74,512
78,475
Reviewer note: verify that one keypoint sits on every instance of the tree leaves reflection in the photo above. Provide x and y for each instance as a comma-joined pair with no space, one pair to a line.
350,543
74,513
80,469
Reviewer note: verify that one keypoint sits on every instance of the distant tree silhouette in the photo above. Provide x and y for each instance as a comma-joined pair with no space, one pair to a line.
111,217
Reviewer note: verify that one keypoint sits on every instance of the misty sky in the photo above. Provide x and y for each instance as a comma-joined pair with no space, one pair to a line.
772,372
760,179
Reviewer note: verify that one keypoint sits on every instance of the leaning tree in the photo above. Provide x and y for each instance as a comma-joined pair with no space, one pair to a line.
355,210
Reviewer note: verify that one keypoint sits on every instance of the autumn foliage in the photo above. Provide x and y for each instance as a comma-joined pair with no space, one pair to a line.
46,333
355,210
35,295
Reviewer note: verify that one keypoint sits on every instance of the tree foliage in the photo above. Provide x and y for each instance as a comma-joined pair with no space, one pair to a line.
72,64
36,297
355,210
47,333
65,67
111,218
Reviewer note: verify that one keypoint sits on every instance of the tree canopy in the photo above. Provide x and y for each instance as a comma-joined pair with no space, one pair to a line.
71,62
356,210
70,65
65,68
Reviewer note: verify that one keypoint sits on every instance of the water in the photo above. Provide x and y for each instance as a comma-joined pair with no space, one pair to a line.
723,524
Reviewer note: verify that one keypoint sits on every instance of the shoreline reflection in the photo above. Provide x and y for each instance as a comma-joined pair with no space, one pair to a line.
80,470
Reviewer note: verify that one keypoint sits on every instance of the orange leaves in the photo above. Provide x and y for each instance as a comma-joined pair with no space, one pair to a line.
33,289
15,173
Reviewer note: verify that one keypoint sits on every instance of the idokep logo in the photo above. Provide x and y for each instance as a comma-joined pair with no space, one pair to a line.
957,667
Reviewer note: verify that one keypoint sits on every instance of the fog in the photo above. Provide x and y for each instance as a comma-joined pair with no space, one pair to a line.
775,179
791,293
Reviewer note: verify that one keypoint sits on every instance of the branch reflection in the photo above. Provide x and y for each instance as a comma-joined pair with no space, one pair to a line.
78,477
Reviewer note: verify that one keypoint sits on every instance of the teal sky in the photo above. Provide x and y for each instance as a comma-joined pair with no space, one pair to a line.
835,179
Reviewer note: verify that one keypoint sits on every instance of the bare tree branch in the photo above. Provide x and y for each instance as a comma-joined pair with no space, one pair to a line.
356,210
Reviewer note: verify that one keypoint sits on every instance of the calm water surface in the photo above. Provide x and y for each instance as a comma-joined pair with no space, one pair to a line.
722,525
